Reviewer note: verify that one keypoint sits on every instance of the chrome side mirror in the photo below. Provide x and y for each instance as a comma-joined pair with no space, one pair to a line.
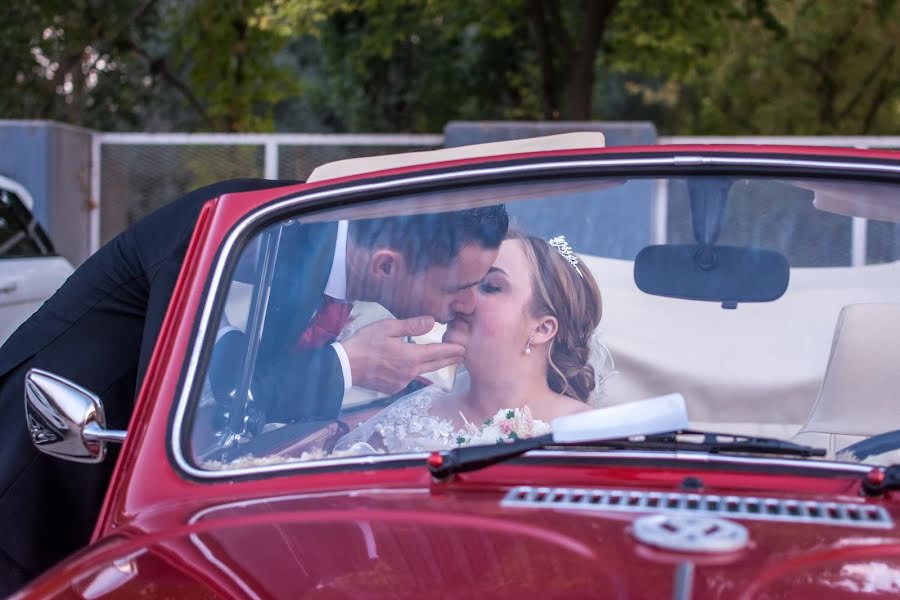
65,420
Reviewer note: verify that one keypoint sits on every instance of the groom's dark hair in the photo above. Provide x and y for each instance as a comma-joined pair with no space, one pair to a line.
434,239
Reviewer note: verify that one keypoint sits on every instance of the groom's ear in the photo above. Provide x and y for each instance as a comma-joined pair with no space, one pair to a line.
385,263
546,329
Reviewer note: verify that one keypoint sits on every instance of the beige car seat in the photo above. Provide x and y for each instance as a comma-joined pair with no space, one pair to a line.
754,371
859,394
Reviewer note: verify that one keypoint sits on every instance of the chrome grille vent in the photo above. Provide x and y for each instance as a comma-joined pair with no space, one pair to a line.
735,507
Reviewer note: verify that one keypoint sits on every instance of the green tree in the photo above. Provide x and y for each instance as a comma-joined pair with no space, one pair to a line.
65,60
415,64
765,66
692,66
232,65
139,64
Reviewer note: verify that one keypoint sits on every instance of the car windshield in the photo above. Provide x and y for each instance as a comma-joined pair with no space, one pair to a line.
478,314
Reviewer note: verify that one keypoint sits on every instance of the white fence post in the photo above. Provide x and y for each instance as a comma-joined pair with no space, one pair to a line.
858,241
270,168
94,207
659,217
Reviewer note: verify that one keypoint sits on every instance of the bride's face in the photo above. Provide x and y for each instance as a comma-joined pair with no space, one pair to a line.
501,323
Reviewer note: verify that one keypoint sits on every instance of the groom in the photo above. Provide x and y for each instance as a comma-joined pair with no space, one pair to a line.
422,268
100,328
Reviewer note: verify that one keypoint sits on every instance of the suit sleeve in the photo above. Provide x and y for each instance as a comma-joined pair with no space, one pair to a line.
289,385
295,385
160,242
301,386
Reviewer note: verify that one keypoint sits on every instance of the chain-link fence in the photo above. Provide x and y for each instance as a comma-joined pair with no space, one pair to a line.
134,174
137,173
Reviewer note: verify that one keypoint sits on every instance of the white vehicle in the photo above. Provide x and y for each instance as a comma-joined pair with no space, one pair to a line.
30,269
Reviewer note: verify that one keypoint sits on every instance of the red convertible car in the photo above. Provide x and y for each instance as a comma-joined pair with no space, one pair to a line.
725,419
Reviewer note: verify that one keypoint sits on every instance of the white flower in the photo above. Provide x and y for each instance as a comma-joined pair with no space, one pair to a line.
507,425
490,434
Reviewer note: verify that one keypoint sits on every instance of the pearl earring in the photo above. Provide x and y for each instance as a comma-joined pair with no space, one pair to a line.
528,345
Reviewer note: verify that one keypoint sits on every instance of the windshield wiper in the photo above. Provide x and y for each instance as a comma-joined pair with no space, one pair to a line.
471,458
714,442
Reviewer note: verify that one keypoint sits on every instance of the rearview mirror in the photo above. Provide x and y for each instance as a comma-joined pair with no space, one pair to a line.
65,420
725,274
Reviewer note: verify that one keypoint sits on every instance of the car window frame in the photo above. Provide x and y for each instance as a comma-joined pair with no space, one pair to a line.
337,199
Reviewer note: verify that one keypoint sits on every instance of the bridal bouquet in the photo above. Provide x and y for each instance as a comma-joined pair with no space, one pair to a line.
508,425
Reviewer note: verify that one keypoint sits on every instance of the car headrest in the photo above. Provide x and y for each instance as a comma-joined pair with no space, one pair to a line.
859,392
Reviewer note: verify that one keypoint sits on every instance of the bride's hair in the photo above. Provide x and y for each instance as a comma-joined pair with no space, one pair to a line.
574,299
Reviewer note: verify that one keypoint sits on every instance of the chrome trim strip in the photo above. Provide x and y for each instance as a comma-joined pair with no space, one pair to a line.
553,163
701,457
779,510
705,457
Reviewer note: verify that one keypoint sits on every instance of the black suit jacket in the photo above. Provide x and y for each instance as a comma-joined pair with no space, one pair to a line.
98,330
298,385
288,384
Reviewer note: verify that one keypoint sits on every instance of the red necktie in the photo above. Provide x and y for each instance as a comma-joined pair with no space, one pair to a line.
326,325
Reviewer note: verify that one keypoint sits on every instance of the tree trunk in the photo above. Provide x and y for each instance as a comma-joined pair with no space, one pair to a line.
579,85
545,49
236,118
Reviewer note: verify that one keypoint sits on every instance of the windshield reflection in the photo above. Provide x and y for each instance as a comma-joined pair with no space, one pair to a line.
770,305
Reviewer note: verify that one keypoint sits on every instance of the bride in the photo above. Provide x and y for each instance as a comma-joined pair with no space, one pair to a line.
526,363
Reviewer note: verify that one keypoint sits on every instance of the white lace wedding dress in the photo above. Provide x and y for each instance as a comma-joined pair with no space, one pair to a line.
407,425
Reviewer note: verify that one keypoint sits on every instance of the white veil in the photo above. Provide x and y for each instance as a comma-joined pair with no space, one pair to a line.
604,368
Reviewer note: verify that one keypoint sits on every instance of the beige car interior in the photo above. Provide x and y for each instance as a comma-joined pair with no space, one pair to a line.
859,394
774,370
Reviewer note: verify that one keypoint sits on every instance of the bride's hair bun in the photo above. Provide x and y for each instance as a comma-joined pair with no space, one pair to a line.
573,370
574,299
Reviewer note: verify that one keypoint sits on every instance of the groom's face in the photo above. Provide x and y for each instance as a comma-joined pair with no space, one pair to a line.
442,292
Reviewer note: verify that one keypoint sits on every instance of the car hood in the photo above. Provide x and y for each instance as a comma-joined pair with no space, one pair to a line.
496,540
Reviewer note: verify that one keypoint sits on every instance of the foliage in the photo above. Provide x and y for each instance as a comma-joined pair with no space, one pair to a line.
414,67
763,67
415,64
692,66
141,64
230,64
69,61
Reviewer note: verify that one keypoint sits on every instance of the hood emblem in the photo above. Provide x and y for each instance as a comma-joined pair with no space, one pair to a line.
685,533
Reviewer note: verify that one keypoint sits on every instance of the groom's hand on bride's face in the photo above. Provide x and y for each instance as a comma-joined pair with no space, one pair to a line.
382,360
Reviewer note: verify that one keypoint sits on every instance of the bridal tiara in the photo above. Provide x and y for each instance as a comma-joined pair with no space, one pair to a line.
565,250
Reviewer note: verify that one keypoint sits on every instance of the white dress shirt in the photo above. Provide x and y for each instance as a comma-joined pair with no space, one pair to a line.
336,287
